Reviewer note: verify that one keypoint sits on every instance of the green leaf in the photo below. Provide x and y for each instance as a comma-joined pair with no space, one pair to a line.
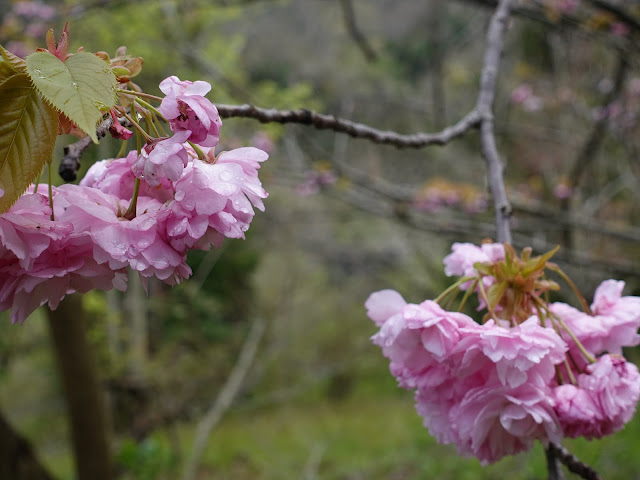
28,131
81,88
10,64
495,293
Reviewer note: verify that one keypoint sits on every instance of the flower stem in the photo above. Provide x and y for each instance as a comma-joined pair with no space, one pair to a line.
451,288
149,106
123,149
148,120
467,294
485,297
201,155
566,278
539,312
50,190
155,115
142,131
131,212
572,377
139,94
583,350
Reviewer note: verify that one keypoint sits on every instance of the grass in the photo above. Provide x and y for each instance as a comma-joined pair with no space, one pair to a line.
374,438
374,433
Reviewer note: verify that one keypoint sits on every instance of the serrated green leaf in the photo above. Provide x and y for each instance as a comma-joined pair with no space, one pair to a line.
10,64
28,131
80,87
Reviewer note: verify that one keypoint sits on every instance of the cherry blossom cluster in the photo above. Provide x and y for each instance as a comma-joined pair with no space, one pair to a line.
530,371
315,181
439,194
27,18
143,211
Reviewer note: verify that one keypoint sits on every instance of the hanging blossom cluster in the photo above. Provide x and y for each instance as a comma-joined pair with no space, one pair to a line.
532,370
143,211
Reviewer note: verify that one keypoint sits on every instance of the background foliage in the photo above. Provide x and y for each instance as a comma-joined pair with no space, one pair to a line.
344,218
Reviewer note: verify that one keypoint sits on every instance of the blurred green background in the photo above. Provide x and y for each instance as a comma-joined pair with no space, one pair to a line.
318,401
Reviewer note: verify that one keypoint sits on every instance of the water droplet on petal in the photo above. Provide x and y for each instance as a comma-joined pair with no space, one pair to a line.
226,176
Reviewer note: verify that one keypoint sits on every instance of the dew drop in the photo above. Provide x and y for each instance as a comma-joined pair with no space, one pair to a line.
226,176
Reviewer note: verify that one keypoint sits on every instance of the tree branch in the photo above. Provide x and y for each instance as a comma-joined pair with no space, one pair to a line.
554,467
352,28
70,163
572,462
622,15
495,167
540,15
589,150
356,130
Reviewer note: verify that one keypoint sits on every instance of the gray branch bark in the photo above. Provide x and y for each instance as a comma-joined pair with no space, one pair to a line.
495,167
353,129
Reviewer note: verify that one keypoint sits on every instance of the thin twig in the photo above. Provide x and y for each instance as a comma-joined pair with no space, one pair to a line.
589,150
622,15
352,28
539,14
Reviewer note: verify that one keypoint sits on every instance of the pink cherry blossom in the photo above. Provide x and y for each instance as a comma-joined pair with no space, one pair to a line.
464,255
186,109
26,230
492,388
521,93
606,297
162,161
417,337
117,130
577,411
526,353
493,421
622,315
438,400
115,177
41,260
603,401
139,243
34,10
437,330
383,305
223,194
614,324
249,158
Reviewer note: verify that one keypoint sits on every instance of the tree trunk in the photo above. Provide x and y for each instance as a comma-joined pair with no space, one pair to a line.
82,390
137,310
